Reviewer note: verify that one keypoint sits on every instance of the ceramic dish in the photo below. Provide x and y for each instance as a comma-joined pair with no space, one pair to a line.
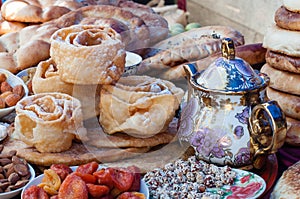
11,194
143,189
13,80
132,61
247,185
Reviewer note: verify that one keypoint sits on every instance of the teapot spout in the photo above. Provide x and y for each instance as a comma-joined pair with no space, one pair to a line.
190,70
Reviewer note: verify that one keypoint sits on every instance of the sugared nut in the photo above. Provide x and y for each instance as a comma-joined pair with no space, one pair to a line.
19,90
2,103
12,99
6,87
2,77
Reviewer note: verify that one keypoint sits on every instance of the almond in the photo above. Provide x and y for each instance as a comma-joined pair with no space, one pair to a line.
19,90
12,99
5,87
2,77
5,94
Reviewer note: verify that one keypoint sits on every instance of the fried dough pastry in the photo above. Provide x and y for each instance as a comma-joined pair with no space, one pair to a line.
88,54
35,11
46,79
49,121
139,106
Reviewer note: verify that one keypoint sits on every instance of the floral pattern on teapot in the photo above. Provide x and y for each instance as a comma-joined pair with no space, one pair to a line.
215,143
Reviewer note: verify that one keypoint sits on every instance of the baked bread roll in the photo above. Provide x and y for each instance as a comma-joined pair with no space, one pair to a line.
283,62
287,186
35,11
290,104
139,106
191,45
157,25
287,19
282,80
88,54
49,121
10,26
46,79
283,41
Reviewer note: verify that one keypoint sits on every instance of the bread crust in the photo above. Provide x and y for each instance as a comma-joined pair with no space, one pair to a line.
283,62
287,19
281,80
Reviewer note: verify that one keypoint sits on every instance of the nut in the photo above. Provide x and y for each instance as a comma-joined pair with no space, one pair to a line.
12,99
5,87
14,172
2,77
5,94
2,103
19,90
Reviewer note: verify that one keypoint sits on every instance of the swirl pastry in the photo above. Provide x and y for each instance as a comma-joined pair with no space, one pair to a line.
49,121
88,54
47,74
139,106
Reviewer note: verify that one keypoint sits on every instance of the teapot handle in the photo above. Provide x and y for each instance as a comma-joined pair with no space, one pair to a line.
264,139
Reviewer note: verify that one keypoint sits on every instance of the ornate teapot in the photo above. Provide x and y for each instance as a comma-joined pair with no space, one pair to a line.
227,118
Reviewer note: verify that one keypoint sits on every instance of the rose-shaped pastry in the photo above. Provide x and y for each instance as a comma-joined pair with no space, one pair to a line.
49,121
139,106
46,80
88,54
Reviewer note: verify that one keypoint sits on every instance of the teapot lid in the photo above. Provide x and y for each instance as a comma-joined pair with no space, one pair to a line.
230,73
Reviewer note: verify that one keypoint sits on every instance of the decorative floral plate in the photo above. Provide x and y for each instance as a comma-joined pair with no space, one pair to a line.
247,185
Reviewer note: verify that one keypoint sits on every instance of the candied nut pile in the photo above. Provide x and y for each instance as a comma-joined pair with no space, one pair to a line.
14,171
9,95
188,179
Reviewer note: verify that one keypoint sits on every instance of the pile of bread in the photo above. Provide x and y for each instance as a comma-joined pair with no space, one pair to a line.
282,41
21,48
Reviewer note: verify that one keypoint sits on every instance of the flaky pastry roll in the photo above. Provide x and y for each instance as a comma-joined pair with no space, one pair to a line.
46,79
88,54
49,121
139,106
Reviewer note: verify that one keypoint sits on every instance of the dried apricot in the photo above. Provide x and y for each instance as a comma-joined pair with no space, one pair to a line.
89,168
97,191
73,187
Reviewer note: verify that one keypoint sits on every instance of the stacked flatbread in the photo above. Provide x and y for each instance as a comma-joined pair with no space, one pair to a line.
282,41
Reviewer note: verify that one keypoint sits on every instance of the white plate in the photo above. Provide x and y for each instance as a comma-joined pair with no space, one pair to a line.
13,193
132,61
143,189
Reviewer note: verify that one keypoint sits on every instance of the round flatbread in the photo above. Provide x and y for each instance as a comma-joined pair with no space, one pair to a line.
290,104
76,155
288,185
283,62
35,11
283,41
281,80
293,132
287,19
